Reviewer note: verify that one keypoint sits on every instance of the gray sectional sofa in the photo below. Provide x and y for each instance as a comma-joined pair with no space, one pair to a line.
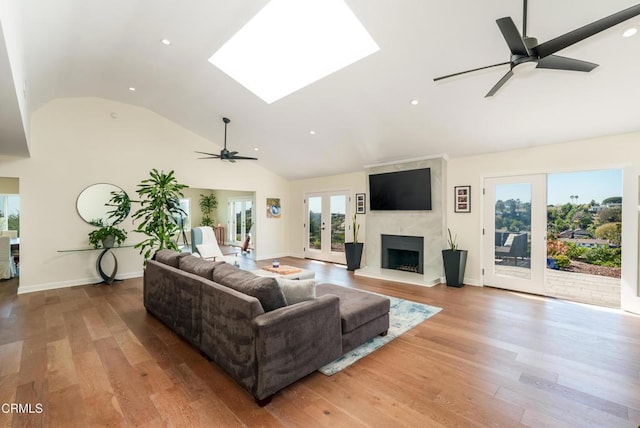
242,321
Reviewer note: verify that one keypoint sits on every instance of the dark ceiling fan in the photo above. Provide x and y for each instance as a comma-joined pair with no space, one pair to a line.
526,53
224,153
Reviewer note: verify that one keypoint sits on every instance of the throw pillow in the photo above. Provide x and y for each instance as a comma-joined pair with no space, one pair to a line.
297,290
266,290
509,240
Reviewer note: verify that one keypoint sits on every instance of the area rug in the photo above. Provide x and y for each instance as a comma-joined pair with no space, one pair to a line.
403,316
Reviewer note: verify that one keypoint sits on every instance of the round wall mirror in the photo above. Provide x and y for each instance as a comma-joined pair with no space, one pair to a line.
103,203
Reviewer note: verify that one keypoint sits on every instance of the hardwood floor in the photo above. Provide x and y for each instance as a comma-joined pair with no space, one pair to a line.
92,356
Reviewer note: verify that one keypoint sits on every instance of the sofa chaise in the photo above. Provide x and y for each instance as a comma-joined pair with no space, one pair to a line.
243,323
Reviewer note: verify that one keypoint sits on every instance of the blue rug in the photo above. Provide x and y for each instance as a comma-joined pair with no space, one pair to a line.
403,316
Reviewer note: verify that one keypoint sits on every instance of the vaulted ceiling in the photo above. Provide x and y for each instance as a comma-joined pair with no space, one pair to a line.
362,114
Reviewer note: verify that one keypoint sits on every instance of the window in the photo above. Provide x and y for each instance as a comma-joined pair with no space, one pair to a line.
10,212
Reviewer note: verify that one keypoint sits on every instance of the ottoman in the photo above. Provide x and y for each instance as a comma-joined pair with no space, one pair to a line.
363,315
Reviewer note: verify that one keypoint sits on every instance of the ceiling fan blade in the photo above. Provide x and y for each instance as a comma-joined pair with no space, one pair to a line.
557,62
232,160
469,71
244,157
233,153
512,36
213,155
499,84
554,45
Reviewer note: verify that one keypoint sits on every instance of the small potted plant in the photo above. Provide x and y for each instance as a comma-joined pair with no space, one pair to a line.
455,262
107,235
353,250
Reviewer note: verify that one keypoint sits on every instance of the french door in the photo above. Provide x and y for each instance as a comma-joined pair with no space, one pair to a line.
514,242
325,225
240,220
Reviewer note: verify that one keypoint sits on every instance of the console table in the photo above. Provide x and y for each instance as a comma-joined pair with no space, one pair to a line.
106,278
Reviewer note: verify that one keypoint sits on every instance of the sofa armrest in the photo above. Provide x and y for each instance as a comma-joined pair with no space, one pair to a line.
293,341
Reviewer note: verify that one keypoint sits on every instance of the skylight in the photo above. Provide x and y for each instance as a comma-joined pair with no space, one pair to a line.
290,44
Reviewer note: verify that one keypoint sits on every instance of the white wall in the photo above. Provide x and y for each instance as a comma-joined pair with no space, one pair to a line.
11,39
618,152
76,142
353,183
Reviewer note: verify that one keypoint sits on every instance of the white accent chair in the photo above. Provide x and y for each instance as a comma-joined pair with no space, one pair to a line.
205,245
7,265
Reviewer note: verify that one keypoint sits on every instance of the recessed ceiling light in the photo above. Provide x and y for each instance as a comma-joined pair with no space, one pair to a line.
166,42
132,89
630,32
255,149
290,44
415,102
312,132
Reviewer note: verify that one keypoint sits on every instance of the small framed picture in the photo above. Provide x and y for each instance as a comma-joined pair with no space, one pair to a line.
274,210
360,203
462,198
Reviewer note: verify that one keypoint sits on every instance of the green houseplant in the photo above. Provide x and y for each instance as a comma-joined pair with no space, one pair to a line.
159,207
121,205
107,235
353,250
207,204
455,261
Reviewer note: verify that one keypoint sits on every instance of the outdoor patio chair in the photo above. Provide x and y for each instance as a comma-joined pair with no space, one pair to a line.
515,246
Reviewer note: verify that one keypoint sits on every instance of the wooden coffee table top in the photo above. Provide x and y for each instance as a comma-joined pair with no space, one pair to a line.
282,270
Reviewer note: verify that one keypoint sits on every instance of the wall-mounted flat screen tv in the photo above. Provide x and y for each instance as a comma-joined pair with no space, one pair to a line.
401,190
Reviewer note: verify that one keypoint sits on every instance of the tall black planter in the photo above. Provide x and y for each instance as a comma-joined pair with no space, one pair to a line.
455,262
353,253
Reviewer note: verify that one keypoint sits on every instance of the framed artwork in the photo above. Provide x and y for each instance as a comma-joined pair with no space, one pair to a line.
360,203
462,197
274,210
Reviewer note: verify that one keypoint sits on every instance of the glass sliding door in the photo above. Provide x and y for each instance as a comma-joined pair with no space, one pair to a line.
515,233
315,225
325,226
240,220
338,204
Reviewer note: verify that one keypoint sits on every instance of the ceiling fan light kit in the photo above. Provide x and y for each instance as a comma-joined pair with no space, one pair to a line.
527,54
225,154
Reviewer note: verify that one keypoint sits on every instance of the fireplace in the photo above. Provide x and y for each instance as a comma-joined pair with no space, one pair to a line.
403,253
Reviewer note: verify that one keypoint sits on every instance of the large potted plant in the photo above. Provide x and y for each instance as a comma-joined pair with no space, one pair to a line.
121,205
159,207
455,261
353,250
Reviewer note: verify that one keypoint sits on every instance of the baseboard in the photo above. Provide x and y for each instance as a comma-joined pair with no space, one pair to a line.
467,281
272,256
24,289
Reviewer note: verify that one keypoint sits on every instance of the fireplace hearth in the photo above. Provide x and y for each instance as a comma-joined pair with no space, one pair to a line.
403,253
